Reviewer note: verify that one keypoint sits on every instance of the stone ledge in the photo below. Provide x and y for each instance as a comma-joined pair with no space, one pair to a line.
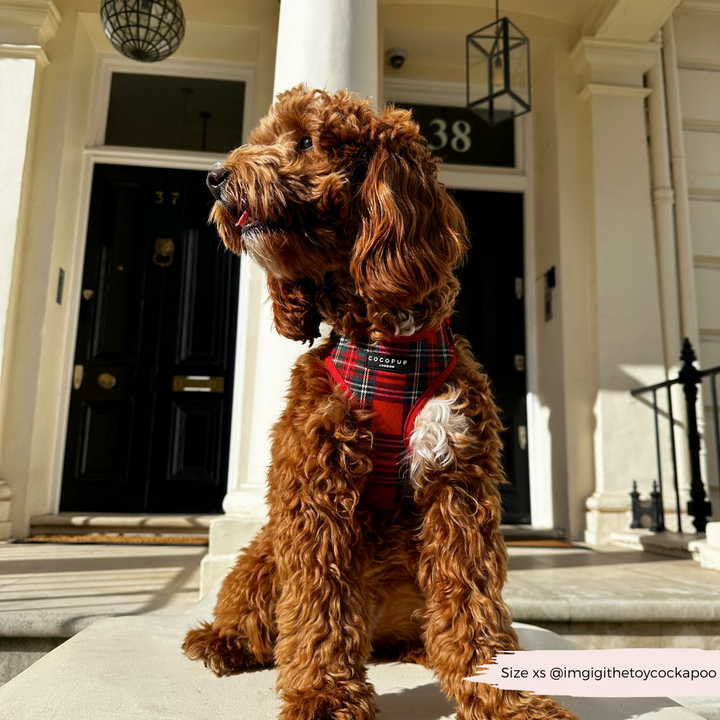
132,668
611,636
58,590
611,587
670,544
707,555
616,610
707,551
18,654
78,523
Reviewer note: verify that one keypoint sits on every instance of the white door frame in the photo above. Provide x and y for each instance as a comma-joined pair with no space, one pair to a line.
517,179
97,152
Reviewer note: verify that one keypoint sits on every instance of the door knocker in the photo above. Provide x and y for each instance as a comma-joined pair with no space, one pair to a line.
164,248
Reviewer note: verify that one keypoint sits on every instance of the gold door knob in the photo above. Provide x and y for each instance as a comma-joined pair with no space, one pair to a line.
107,381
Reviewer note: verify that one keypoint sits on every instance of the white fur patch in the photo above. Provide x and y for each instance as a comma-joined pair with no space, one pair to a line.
405,324
431,439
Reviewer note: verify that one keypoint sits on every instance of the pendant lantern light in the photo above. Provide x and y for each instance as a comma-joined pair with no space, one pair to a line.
498,71
144,30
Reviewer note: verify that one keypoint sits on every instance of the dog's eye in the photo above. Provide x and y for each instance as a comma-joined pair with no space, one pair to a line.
305,143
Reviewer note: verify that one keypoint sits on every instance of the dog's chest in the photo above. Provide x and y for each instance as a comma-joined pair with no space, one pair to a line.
394,379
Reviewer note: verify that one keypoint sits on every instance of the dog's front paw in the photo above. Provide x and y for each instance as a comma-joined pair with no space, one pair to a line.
224,653
342,705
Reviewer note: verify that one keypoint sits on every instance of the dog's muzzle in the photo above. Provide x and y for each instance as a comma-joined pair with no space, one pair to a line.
216,179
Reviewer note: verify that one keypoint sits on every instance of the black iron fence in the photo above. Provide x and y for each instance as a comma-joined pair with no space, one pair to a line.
698,506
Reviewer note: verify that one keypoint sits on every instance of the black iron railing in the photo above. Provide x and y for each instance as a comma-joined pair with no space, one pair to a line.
689,377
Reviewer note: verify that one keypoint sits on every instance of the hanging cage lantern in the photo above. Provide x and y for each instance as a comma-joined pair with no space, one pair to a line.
144,30
498,71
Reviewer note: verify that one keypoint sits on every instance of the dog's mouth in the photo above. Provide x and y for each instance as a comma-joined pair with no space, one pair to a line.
246,223
244,220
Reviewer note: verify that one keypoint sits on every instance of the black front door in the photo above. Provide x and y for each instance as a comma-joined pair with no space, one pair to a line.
491,316
149,423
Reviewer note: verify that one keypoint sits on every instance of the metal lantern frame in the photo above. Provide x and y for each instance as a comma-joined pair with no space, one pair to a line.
502,37
144,30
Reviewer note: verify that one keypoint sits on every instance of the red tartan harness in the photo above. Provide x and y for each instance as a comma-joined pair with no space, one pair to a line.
393,378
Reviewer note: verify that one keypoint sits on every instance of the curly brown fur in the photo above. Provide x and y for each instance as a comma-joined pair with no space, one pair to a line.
342,208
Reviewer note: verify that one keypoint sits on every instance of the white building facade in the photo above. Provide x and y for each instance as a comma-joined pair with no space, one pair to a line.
616,173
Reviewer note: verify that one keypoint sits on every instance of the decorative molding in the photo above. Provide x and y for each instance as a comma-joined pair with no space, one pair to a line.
613,67
419,91
32,22
712,5
149,157
628,19
704,194
591,55
711,262
709,64
5,497
711,126
709,335
618,90
5,491
663,194
25,52
469,177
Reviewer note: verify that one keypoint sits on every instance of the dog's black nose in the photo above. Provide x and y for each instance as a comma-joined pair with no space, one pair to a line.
215,179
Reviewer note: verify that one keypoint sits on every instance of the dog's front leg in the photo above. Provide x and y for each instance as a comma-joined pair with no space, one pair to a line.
322,617
462,565
242,633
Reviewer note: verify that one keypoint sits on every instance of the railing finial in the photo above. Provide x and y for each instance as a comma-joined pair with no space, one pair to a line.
688,355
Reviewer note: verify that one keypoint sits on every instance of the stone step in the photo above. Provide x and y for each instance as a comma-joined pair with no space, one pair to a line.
707,555
132,524
18,654
55,591
670,544
132,668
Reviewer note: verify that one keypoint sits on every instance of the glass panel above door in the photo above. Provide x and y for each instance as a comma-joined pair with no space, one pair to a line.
175,113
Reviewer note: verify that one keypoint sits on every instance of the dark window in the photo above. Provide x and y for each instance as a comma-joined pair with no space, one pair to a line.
459,136
175,113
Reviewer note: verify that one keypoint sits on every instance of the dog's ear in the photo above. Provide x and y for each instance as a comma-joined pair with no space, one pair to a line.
294,311
411,231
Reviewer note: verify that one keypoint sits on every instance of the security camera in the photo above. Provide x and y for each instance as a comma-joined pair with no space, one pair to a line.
397,57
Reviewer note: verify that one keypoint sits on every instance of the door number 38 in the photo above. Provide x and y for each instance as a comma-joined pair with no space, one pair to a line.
461,141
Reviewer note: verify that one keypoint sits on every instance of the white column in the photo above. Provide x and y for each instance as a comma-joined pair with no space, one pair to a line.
628,329
24,29
326,44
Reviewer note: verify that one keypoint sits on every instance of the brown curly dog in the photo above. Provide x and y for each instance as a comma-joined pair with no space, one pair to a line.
383,509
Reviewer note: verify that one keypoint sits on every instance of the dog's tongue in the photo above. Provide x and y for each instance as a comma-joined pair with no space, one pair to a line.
243,219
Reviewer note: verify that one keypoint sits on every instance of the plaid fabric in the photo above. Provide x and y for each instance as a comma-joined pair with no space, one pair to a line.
393,378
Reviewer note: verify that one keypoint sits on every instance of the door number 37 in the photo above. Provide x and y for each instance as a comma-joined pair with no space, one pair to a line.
460,142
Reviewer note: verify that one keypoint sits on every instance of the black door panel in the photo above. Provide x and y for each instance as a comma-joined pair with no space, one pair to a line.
159,302
491,315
